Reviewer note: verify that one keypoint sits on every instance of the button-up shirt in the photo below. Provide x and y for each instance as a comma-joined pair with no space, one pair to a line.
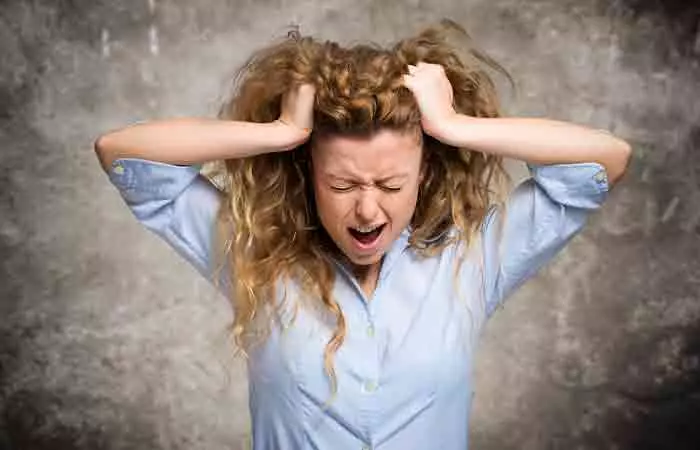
404,371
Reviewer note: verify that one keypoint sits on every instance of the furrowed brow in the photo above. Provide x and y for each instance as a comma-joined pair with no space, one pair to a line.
395,177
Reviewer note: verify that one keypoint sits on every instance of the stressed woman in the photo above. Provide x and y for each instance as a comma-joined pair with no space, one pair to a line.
359,228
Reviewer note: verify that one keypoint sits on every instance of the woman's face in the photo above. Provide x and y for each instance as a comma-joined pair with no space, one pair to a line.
366,190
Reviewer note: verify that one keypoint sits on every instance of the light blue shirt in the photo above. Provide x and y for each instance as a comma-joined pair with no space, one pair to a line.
405,369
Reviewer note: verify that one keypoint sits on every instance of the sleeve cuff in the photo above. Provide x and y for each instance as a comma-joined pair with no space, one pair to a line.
141,180
578,185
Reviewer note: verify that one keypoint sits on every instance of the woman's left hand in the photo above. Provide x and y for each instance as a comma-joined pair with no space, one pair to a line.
433,93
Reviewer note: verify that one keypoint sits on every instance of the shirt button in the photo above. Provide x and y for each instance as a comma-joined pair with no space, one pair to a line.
119,170
366,447
600,177
369,386
370,330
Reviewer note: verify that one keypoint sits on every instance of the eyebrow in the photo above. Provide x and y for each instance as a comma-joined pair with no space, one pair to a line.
354,180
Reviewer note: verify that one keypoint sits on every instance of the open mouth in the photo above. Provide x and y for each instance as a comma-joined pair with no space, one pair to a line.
366,236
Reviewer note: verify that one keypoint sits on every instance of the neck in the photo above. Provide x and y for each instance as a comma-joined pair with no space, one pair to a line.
365,273
367,277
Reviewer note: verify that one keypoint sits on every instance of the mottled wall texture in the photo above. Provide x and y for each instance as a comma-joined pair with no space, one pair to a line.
109,341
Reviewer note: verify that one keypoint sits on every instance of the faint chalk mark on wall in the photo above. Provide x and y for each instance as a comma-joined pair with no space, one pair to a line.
104,38
153,44
670,210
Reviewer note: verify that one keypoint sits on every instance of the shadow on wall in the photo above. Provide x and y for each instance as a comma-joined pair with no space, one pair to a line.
668,414
31,424
682,16
658,367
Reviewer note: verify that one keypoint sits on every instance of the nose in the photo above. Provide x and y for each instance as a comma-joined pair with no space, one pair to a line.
367,206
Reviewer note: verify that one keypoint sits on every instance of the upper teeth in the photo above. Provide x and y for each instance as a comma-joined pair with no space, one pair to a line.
367,229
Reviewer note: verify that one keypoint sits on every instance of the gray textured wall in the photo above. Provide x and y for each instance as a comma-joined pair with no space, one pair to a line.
108,340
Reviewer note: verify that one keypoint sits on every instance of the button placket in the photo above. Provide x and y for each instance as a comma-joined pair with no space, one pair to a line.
369,319
369,383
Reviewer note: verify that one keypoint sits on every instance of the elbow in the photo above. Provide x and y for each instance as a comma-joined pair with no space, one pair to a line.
618,162
99,145
102,151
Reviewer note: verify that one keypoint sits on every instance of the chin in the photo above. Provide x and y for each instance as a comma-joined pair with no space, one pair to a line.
366,260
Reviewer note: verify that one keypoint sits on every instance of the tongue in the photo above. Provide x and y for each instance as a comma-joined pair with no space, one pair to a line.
366,238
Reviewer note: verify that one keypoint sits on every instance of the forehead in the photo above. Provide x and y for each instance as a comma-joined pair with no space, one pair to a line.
384,152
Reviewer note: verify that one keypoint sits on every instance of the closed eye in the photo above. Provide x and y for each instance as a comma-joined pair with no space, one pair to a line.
351,187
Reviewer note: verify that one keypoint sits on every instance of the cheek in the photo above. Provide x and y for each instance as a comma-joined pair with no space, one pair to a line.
409,196
407,206
330,208
400,207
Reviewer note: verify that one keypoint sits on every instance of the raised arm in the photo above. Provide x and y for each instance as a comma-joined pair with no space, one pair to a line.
533,140
190,141
540,142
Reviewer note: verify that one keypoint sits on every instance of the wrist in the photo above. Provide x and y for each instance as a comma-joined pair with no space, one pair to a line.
291,123
287,136
448,129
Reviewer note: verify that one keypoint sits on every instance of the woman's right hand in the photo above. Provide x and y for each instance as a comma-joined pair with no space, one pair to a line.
297,113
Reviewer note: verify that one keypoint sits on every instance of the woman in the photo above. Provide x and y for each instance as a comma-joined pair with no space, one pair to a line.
360,238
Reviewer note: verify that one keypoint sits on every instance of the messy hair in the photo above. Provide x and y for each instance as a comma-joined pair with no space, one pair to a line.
268,228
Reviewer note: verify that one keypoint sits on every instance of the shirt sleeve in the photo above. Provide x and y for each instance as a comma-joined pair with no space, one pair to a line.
540,217
175,202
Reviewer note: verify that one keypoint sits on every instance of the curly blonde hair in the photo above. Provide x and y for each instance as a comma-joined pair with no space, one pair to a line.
268,225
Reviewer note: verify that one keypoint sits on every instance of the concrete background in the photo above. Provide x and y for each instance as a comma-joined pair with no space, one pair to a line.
110,341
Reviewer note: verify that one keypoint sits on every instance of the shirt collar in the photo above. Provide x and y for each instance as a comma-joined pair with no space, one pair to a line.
397,248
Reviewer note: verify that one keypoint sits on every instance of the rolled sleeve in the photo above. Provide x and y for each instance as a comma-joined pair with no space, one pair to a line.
540,217
175,202
583,185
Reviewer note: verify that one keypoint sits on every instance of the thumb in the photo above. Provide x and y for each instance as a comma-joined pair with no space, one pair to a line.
407,81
